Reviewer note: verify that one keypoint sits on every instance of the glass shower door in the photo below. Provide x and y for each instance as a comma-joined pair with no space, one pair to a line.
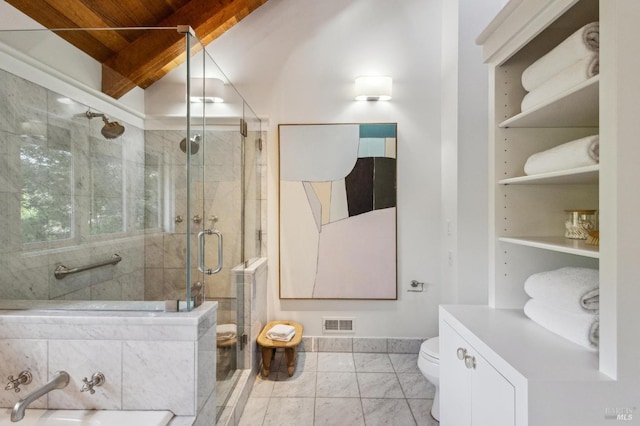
216,201
253,168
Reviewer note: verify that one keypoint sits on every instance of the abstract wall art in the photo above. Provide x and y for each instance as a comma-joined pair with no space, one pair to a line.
338,211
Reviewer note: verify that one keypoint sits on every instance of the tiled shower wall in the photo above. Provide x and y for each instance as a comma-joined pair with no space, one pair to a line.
67,196
98,197
216,189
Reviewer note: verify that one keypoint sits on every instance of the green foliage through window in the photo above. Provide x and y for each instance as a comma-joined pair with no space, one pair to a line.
46,200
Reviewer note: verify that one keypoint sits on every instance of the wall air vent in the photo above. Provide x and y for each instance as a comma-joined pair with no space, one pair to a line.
338,325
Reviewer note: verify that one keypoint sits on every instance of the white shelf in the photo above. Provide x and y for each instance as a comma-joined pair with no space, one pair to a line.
559,244
581,175
577,107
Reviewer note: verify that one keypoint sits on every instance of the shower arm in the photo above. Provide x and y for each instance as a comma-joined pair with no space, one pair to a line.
91,115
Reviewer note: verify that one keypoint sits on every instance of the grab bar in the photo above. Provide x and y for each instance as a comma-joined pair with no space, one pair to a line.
62,271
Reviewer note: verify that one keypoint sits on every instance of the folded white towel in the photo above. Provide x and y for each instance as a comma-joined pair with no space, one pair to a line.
572,289
570,155
566,79
580,328
226,331
581,44
281,332
591,300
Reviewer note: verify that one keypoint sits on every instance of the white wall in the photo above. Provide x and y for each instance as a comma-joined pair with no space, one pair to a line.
296,61
464,152
449,152
473,196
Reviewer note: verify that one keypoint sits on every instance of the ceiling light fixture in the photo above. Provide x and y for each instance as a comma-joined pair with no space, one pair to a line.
206,90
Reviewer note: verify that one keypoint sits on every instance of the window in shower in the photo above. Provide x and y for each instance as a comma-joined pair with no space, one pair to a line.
107,205
46,197
152,201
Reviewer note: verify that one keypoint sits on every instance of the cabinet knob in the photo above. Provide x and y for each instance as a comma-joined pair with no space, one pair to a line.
462,353
470,361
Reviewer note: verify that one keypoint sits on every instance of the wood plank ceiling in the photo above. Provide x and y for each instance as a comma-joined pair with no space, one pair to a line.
136,58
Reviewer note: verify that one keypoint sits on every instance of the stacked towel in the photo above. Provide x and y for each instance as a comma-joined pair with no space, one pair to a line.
572,62
571,289
578,153
226,331
566,301
281,332
582,329
569,77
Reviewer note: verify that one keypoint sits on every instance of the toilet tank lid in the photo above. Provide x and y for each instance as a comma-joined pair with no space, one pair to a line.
431,347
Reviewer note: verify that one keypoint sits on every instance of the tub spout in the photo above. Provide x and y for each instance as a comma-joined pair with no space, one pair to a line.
60,380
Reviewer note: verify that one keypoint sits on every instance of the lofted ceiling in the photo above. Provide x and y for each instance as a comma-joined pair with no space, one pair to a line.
136,58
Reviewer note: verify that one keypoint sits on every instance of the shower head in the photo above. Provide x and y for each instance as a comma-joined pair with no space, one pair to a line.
111,129
195,144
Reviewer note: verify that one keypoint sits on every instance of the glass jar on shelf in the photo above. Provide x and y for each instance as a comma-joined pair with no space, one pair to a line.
578,224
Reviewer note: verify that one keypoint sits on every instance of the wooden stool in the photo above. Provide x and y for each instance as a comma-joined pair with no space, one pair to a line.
269,347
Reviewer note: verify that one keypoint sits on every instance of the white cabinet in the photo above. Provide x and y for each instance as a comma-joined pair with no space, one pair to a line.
474,392
524,375
455,380
555,382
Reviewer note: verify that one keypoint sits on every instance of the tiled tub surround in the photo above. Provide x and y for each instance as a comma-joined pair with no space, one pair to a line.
151,360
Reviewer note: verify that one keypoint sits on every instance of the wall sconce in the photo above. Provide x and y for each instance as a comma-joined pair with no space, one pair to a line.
206,90
369,88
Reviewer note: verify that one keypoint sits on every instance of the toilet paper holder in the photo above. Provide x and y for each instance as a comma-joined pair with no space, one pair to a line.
417,286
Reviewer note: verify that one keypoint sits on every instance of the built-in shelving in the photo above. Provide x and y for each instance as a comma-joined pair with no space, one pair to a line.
527,211
576,107
581,175
558,244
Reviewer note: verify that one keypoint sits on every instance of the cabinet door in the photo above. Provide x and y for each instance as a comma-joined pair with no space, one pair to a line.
455,380
492,397
477,396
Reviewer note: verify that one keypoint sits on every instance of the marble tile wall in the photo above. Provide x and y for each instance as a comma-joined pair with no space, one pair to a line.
20,355
150,361
68,196
110,175
252,288
252,283
216,190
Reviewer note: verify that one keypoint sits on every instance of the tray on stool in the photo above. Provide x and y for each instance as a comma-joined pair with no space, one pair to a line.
269,347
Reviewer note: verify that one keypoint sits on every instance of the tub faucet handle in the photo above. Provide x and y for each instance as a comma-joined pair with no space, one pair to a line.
24,378
96,380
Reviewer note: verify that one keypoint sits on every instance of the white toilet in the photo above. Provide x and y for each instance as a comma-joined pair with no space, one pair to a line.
429,365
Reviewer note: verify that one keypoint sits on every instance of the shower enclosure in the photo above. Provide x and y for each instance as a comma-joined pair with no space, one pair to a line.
135,207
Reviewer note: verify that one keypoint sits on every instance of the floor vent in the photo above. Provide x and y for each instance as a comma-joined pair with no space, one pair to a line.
338,325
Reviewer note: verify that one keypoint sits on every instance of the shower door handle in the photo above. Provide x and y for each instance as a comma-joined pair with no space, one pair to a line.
201,266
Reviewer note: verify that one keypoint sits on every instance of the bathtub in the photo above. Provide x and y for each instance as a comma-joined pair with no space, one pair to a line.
34,417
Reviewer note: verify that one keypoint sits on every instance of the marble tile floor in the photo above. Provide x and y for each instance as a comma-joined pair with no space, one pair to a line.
342,389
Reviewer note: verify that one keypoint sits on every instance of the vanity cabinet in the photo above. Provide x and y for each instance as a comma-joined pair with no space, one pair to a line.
554,382
476,393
